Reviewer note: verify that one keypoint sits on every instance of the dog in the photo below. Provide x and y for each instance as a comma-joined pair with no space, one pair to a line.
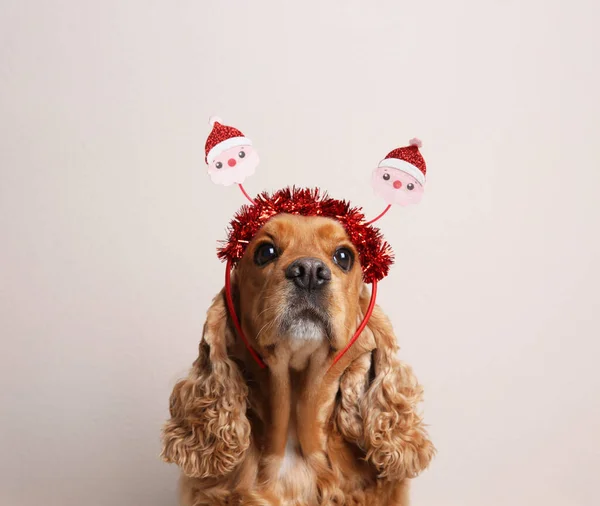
303,431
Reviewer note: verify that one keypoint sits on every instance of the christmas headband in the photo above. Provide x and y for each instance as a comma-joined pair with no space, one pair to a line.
399,179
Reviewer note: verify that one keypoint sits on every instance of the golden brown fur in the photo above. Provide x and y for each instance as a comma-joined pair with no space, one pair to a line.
298,433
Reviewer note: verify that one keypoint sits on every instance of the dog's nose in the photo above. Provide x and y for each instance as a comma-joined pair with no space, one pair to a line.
308,273
231,162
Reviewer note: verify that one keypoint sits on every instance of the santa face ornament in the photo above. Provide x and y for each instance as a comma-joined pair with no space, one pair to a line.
400,176
396,187
230,156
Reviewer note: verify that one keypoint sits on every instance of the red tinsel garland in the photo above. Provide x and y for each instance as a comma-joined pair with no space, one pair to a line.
375,254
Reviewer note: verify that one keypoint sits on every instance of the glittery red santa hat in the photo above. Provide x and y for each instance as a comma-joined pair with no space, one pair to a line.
222,138
407,159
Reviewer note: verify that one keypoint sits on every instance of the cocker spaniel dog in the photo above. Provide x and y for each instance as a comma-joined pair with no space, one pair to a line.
300,432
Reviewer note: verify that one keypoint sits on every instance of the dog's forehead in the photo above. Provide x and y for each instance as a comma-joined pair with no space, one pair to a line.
285,226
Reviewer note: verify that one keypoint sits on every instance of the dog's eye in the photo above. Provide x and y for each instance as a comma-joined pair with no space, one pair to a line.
218,165
386,176
241,154
410,186
344,258
265,253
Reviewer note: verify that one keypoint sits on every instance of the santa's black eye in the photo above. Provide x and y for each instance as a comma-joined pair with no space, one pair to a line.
241,154
410,186
218,165
265,253
344,258
386,176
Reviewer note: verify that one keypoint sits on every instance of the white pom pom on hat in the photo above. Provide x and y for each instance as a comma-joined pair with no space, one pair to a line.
416,142
214,119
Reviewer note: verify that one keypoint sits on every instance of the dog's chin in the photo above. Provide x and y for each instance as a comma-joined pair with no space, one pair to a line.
306,329
307,324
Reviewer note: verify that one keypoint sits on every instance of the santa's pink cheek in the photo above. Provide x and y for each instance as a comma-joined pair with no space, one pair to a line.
231,162
397,184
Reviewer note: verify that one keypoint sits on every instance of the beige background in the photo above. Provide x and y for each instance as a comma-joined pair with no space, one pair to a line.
108,223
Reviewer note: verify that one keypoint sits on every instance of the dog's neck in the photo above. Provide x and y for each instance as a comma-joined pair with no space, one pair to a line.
291,400
296,351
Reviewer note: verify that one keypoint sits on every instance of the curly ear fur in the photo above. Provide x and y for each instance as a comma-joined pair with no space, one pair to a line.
381,417
353,384
209,433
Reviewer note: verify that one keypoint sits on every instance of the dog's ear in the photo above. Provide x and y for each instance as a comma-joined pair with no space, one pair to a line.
209,433
395,439
377,408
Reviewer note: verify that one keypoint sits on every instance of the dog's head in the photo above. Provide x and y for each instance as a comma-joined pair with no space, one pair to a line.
300,279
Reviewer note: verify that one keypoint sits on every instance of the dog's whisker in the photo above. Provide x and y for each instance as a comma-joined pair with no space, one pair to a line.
262,328
265,310
267,325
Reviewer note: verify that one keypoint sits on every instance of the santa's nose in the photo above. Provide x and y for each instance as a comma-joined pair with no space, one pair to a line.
231,162
397,184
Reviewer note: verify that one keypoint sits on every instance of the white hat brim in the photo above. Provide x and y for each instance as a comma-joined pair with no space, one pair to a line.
404,166
232,142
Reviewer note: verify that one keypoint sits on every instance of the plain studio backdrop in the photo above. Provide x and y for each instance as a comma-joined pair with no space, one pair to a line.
109,223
